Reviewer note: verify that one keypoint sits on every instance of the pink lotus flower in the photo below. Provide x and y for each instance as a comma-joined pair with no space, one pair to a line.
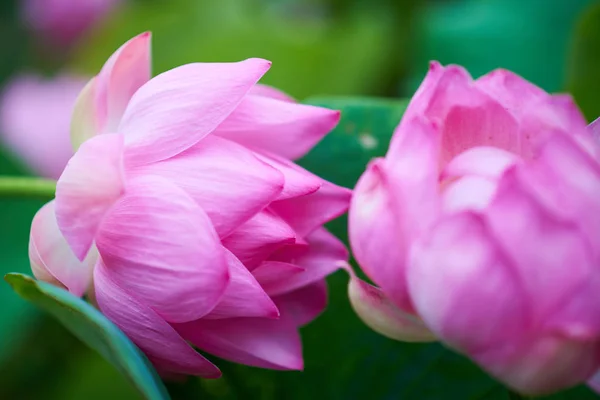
481,227
62,22
206,231
35,115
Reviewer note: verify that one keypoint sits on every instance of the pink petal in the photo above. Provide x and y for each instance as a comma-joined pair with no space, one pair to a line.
378,313
487,162
121,76
305,304
42,142
268,91
280,127
224,178
89,185
459,267
51,258
178,108
258,238
298,181
258,342
324,255
83,119
153,335
272,274
468,193
307,213
543,273
160,246
594,382
244,296
595,128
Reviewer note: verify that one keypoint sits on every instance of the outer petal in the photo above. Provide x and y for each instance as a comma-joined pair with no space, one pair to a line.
324,255
224,178
464,287
305,304
84,120
306,213
378,312
89,185
244,297
258,342
273,274
178,108
51,258
595,128
298,181
153,335
258,238
121,76
271,92
161,247
280,127
34,120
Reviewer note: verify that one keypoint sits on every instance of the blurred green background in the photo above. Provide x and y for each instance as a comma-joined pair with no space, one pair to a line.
321,50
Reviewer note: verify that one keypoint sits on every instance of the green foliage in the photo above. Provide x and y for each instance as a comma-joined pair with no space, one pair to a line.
89,325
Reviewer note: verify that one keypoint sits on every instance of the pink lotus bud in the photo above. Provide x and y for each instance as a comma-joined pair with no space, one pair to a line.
207,233
34,120
483,223
62,22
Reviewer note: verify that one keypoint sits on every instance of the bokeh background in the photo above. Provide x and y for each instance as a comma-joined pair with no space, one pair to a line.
319,48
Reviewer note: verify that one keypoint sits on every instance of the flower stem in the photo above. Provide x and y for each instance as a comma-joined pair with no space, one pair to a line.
26,187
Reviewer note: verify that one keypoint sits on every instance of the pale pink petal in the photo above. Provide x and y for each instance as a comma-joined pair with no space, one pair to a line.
160,246
306,213
459,267
90,184
324,255
594,382
244,296
298,181
550,244
380,314
258,342
224,178
268,91
280,127
35,114
51,258
305,304
152,334
258,238
178,108
84,119
121,76
595,128
468,193
487,162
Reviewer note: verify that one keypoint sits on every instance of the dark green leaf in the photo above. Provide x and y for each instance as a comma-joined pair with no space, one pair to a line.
89,325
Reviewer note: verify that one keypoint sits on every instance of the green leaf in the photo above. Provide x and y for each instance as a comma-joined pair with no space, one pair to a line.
584,78
89,325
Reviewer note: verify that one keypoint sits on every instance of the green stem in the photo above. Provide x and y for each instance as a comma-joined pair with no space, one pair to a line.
27,187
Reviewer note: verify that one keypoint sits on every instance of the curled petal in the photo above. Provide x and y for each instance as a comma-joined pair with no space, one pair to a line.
468,193
297,180
244,296
225,179
258,342
152,334
160,246
281,127
178,108
90,184
51,258
486,162
381,315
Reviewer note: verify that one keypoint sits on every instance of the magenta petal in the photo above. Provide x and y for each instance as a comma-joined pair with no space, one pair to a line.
160,246
258,342
324,255
244,296
178,108
225,179
298,181
258,238
90,184
51,258
305,304
306,213
272,274
153,335
594,127
280,127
